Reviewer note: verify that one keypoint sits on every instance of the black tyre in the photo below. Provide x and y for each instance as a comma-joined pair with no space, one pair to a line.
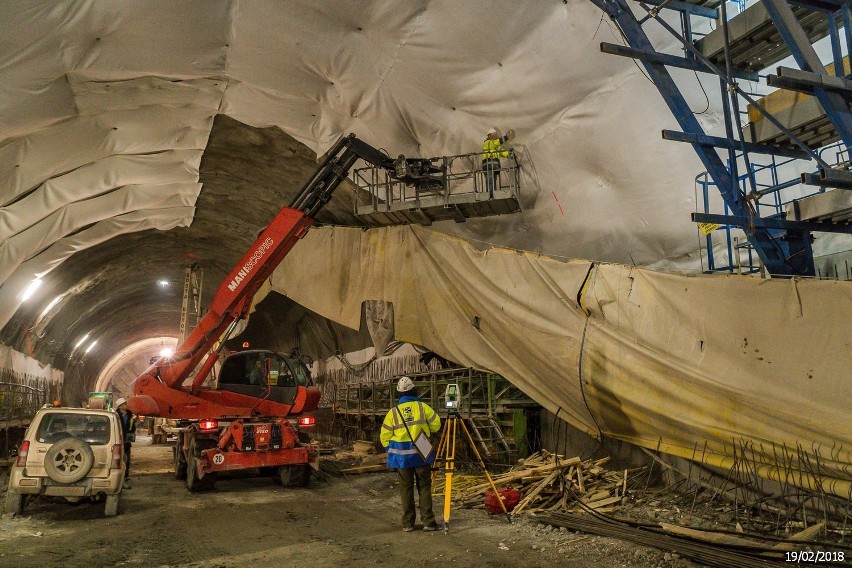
294,475
193,483
179,459
68,460
111,506
15,502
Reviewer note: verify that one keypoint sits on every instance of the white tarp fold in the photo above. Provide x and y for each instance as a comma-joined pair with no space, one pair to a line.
16,250
39,265
97,178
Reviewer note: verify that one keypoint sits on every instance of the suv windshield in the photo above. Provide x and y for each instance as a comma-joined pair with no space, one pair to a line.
90,428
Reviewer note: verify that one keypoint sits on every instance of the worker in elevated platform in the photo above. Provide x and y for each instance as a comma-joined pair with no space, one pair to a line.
492,151
403,425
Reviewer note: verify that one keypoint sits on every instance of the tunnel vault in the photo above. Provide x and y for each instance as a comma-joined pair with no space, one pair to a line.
111,293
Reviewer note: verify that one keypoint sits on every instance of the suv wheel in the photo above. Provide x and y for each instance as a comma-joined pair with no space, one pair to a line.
68,460
15,503
111,507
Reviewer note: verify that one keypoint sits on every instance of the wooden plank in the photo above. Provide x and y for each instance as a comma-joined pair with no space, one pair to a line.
366,469
535,492
802,536
374,459
596,496
363,447
715,538
517,475
603,502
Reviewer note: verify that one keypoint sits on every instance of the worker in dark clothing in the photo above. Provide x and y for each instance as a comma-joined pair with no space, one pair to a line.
257,375
492,151
128,434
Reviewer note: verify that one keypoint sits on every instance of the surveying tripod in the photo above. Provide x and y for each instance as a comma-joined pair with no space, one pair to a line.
447,453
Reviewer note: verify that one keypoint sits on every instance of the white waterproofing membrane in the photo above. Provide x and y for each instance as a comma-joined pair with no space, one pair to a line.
702,367
97,97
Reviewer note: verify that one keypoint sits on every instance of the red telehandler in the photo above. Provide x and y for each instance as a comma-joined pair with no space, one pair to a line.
244,422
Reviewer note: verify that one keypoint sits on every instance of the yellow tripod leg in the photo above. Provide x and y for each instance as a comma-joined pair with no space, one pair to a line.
449,467
440,455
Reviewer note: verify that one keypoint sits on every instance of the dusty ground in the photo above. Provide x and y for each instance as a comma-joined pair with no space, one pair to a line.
350,521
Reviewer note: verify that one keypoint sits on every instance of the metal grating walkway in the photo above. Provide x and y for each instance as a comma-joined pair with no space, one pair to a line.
755,42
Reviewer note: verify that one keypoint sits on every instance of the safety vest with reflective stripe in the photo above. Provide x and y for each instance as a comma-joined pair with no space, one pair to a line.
419,417
493,149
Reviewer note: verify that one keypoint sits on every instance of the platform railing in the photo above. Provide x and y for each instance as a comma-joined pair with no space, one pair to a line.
449,177
777,184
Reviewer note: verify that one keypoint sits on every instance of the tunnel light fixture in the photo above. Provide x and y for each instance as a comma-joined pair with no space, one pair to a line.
163,283
167,352
92,344
50,306
30,290
82,340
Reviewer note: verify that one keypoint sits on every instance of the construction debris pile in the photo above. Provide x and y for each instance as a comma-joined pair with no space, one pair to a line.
550,482
582,495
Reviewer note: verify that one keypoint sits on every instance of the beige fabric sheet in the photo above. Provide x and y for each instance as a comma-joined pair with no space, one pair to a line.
704,367
720,366
529,326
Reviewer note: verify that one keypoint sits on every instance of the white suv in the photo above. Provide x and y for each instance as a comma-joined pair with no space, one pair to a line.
71,453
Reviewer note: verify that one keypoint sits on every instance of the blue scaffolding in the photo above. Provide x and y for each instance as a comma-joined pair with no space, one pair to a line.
760,35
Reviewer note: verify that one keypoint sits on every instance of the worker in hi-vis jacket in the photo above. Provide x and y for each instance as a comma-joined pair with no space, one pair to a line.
403,424
492,151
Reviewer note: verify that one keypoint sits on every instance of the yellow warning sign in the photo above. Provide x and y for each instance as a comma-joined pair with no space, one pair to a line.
708,228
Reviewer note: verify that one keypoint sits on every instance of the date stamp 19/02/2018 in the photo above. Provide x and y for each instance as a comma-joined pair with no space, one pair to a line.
815,556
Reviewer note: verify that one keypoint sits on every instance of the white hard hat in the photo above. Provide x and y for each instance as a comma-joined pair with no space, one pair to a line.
120,401
405,384
491,131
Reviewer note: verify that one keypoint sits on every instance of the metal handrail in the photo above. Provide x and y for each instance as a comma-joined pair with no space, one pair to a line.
20,401
455,175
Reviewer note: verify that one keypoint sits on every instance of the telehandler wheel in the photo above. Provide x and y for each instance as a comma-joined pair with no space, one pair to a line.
193,483
179,459
294,475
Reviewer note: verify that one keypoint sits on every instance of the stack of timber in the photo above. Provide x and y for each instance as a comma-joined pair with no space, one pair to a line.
550,482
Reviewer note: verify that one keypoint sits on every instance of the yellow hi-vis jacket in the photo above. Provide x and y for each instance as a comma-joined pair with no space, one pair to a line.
419,417
493,149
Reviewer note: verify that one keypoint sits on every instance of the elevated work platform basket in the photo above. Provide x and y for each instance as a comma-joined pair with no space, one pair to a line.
451,187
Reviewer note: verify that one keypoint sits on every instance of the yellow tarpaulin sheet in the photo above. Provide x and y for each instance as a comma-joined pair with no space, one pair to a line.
704,367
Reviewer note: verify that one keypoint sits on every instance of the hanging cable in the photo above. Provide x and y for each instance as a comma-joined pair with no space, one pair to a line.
706,98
